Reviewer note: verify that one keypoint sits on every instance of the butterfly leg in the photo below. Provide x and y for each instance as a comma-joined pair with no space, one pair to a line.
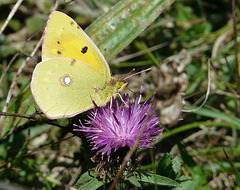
122,99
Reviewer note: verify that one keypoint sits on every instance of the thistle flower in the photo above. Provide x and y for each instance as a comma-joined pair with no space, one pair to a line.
118,125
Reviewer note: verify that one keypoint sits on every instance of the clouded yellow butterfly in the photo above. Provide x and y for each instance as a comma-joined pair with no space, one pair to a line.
73,71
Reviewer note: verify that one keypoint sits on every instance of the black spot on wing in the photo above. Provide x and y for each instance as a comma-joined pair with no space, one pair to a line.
71,22
84,49
59,52
58,42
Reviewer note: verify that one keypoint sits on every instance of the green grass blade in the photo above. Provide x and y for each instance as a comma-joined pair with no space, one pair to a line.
123,23
215,114
190,126
233,168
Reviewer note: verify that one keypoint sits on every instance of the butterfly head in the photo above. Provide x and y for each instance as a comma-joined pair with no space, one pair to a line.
119,85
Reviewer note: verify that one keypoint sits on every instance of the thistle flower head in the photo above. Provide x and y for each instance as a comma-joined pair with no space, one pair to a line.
118,125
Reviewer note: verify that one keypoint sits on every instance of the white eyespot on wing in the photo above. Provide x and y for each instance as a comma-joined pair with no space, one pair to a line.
66,80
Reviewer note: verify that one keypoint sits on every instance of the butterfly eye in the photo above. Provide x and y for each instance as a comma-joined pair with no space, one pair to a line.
66,80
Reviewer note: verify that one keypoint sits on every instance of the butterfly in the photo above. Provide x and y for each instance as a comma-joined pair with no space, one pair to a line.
73,72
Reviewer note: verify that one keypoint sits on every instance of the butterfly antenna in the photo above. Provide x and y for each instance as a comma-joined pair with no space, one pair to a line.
128,76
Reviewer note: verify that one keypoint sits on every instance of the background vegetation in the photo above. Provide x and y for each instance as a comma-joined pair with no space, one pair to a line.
192,40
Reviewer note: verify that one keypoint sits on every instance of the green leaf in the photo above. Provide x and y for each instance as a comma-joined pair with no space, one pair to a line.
157,179
85,178
93,184
34,24
176,164
123,23
169,166
191,165
133,180
186,183
15,24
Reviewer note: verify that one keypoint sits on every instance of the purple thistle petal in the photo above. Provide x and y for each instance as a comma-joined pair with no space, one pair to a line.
117,126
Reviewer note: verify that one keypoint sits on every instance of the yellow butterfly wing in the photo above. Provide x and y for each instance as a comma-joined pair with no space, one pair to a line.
73,72
63,87
64,38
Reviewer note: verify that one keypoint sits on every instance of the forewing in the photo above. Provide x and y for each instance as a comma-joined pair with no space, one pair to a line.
64,38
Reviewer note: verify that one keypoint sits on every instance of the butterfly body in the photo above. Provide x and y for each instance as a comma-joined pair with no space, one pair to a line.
73,72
